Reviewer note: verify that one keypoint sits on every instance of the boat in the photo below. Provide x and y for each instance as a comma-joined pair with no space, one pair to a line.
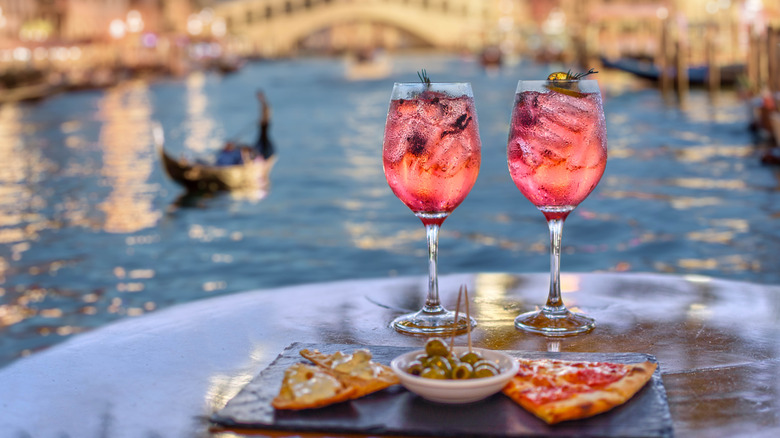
367,65
27,93
490,57
26,85
772,154
250,177
229,64
774,123
647,69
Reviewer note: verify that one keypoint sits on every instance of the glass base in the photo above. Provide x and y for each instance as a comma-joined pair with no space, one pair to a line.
424,323
562,323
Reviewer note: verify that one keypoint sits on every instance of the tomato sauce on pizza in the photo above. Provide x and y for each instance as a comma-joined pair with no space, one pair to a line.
559,390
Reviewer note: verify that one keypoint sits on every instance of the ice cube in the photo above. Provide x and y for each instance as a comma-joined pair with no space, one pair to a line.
524,119
551,142
570,112
404,108
460,105
393,149
590,153
442,151
525,113
591,148
587,103
521,152
433,106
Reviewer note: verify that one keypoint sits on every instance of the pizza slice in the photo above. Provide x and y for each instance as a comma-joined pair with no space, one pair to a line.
559,390
355,370
307,386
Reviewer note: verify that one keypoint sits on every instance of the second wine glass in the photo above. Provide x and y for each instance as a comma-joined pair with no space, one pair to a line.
557,153
431,156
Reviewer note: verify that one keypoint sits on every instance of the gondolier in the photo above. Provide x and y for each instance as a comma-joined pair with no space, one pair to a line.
264,145
232,154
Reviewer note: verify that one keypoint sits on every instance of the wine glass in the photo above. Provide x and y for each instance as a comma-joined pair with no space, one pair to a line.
431,155
557,152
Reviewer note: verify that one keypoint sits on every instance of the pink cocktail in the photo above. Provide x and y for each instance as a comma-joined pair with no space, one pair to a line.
557,152
431,156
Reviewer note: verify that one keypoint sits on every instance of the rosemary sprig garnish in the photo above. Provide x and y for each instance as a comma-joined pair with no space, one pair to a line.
577,76
423,75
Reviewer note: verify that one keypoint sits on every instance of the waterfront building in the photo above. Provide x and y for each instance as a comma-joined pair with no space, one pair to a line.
13,15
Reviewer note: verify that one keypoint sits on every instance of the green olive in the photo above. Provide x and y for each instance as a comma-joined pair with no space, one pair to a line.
480,372
485,362
437,347
422,357
471,358
440,362
462,370
415,367
484,370
434,373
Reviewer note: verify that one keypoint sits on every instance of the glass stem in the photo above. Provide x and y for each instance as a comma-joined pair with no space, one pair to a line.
432,304
554,301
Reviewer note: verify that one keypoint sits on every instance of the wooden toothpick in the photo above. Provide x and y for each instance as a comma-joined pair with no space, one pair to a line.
457,309
468,315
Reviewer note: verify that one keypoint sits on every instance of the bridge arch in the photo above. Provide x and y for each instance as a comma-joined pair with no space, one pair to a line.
274,27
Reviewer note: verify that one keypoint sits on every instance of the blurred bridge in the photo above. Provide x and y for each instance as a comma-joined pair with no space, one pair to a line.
277,27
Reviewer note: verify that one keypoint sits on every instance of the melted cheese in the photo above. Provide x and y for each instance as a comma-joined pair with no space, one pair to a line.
307,385
357,364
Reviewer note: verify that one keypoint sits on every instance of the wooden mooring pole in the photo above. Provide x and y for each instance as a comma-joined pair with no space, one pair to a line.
665,58
681,64
711,57
773,61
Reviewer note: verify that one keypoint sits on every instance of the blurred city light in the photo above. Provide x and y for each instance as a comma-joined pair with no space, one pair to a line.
117,28
135,23
195,24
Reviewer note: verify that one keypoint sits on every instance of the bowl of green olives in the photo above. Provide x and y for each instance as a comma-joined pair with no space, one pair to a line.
460,375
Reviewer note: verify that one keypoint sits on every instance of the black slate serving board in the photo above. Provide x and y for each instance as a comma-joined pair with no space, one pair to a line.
395,411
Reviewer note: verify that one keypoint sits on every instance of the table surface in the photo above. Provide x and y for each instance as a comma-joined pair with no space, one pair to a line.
165,373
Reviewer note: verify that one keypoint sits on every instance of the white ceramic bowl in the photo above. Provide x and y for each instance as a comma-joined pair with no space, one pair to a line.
456,391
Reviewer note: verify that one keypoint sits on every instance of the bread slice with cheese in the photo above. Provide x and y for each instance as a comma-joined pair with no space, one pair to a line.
307,386
355,370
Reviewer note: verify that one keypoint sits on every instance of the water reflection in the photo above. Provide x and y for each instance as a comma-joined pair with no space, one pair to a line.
128,160
22,167
199,136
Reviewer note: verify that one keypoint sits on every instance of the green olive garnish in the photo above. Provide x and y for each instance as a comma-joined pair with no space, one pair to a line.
462,371
415,367
434,373
484,369
437,347
471,358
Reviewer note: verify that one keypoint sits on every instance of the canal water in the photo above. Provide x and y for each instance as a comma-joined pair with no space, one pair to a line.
92,230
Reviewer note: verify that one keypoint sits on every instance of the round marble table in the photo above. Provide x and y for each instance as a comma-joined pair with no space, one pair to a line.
165,373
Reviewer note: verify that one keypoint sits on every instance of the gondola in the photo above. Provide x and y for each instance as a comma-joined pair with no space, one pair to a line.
250,177
699,75
27,93
491,57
